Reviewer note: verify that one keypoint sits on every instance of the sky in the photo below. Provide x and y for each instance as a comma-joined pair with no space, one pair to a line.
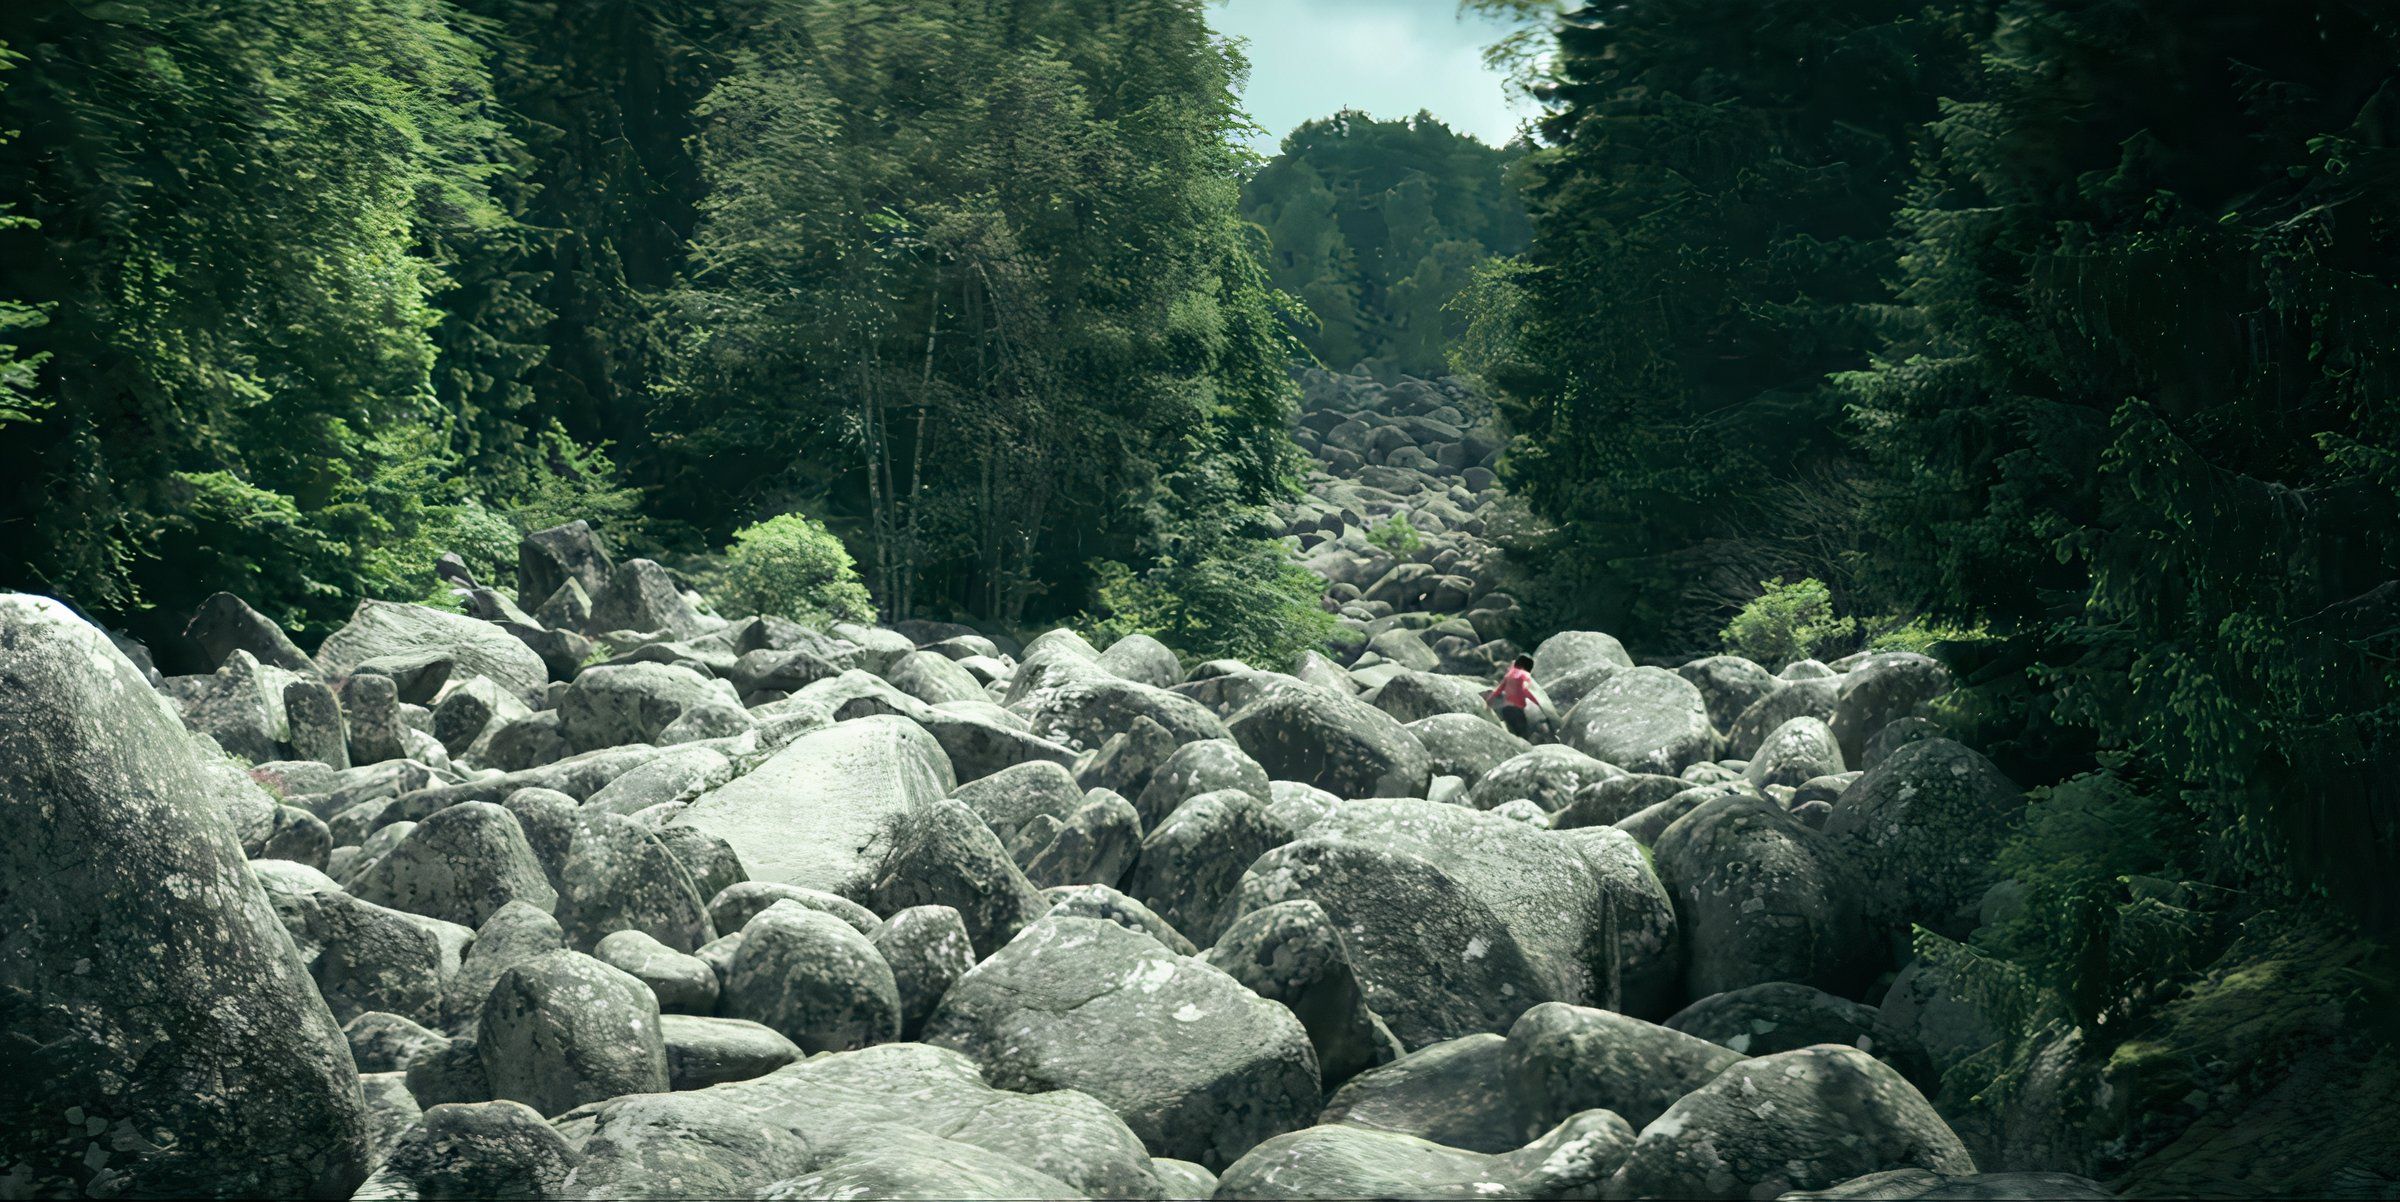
1310,58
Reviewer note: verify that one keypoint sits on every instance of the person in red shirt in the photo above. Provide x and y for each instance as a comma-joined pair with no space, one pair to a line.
1514,694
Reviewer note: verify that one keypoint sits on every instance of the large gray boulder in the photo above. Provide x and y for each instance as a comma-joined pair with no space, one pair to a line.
1925,1185
475,1150
1643,720
933,679
1759,897
620,875
1291,953
1410,696
1810,697
1138,657
928,950
1563,1059
460,865
1881,691
1466,745
364,957
947,857
1085,711
1339,744
614,704
1457,920
704,1050
1342,1161
224,624
1571,651
1196,768
1549,776
1730,683
1009,799
548,559
1199,1067
1798,1120
1779,1016
1094,846
1637,948
564,1029
898,1107
641,596
1927,826
379,629
1794,754
827,811
814,979
1192,864
515,935
1458,1092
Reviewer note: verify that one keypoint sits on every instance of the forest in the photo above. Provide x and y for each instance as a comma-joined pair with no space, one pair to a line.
2035,339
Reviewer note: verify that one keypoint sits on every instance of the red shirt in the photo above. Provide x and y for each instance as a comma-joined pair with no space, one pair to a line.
1516,688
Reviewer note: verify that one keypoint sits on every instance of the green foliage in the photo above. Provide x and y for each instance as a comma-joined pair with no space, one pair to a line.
1243,599
1376,226
791,566
1787,622
1396,534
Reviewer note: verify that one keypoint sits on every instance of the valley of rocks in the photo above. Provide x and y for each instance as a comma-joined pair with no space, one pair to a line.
590,891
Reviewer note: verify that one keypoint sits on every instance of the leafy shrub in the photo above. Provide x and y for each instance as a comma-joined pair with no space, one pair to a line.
1787,622
1245,599
1919,634
791,566
1396,534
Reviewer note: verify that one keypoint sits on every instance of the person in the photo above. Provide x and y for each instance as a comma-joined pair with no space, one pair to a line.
1514,694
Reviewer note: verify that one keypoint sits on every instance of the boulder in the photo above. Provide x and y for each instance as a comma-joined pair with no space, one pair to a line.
704,1051
1730,684
1291,953
1084,712
1108,905
1191,864
1881,691
1410,696
1343,1161
1140,658
682,983
1812,697
1339,744
928,950
563,1029
459,865
813,978
1563,1059
240,707
673,774
1759,897
1797,1120
1794,753
1549,776
948,857
364,957
1012,797
313,719
1196,768
641,596
515,935
1925,1185
1927,825
1466,745
1125,763
1094,846
385,1043
1643,720
548,560
499,1149
474,648
1457,1093
1778,1016
1457,920
732,908
1637,948
1570,651
1613,799
827,811
610,705
621,876
224,624
1199,1067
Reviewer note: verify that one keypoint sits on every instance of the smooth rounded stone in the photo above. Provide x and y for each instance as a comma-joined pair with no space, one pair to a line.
611,705
1183,1181
704,1051
1637,956
464,713
1886,688
295,835
1314,668
1413,696
1642,720
518,933
1730,684
224,624
948,857
564,1029
1927,825
1712,773
1199,1067
706,721
1403,647
769,671
1924,1185
928,951
500,1149
1805,698
381,1042
1561,693
682,983
1226,693
1777,1016
1549,776
739,1140
734,906
1191,865
911,1164
474,647
1339,744
1125,762
1196,768
1456,919
1095,846
1298,806
529,742
1794,753
621,876
1342,1161
1828,789
1607,802
1806,669
1519,810
459,865
1649,822
363,956
1564,1059
1012,797
1929,1022
813,978
1138,657
1896,735
827,811
1796,1120
547,818
450,1073
1572,650
1107,904
392,1110
1466,745
1456,1093
712,862
1085,712
1759,898
1290,953
933,678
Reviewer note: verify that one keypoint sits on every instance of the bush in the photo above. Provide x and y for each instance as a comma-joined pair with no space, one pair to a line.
1396,534
1244,600
791,566
1787,622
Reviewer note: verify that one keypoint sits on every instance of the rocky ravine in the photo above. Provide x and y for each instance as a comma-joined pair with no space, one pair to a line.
600,894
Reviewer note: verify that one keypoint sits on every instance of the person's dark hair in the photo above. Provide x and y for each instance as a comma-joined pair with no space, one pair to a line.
1525,662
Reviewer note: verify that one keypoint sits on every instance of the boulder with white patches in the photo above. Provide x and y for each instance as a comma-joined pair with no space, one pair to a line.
563,1029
